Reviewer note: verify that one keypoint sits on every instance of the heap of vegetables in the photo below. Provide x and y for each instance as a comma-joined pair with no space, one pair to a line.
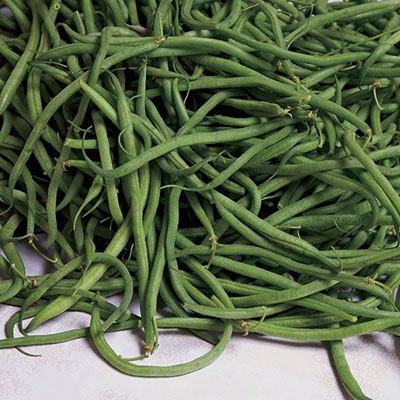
233,166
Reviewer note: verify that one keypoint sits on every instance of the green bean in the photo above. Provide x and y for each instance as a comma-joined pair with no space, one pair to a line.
200,114
136,200
321,75
267,297
153,288
382,181
316,302
286,147
7,23
173,303
315,100
388,42
340,220
64,154
270,12
131,369
16,265
20,10
182,141
89,245
281,216
60,337
18,73
257,108
33,94
345,375
105,157
323,19
88,12
6,126
72,191
119,12
244,159
96,271
188,125
56,276
219,295
295,56
128,287
48,15
245,313
173,206
10,55
55,72
58,101
36,132
20,206
186,9
93,192
274,297
196,293
271,232
326,334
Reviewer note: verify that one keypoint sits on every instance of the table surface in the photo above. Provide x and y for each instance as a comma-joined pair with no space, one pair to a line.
252,367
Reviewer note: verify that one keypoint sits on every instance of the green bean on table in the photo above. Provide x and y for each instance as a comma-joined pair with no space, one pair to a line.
233,165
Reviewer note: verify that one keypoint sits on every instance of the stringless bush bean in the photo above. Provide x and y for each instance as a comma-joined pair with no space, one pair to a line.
234,164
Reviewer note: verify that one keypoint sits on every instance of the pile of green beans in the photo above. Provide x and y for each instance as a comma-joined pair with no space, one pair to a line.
231,166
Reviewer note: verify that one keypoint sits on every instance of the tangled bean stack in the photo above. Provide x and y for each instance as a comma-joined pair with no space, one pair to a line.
233,166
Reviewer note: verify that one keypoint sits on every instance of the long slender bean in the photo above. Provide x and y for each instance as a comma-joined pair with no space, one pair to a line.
18,73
